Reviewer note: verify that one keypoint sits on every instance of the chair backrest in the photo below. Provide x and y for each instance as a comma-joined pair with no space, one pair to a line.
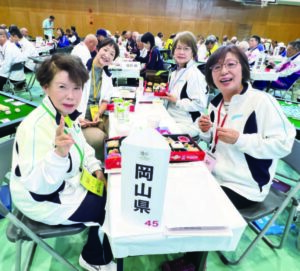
5,165
63,50
293,158
167,66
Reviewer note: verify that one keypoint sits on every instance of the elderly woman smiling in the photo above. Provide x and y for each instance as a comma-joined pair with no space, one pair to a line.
248,129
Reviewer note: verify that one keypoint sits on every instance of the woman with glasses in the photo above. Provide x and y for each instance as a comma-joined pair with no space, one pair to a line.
187,87
51,161
247,128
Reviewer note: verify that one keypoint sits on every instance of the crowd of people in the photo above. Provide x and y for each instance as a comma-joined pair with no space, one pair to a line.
65,135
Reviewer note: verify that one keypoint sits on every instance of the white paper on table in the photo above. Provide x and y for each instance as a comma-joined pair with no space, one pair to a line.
204,213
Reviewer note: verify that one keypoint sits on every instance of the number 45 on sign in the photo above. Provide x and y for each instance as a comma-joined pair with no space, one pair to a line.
152,223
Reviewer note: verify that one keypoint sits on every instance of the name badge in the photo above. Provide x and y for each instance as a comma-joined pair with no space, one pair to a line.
210,161
94,110
91,183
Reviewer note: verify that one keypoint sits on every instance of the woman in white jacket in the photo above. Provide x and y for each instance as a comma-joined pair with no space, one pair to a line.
187,97
248,130
50,154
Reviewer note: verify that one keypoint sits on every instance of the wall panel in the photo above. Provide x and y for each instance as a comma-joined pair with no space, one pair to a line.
205,17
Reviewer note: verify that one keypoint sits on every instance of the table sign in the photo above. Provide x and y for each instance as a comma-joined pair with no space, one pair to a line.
145,160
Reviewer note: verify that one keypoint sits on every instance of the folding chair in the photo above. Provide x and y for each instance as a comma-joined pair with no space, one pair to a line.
274,204
63,50
10,85
5,165
21,228
283,93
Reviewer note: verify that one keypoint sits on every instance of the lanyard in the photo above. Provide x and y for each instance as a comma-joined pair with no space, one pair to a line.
216,139
96,88
69,123
173,84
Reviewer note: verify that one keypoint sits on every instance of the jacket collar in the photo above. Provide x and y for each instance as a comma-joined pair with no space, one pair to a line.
50,106
187,65
216,100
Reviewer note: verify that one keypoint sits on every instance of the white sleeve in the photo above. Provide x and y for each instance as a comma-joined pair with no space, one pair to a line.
72,39
42,171
275,135
196,91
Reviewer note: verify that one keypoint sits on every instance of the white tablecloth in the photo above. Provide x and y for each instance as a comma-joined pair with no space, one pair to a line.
186,187
193,198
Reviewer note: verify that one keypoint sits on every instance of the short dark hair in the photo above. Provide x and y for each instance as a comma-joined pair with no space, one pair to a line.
51,17
15,31
219,55
148,37
73,28
160,34
257,38
109,41
187,38
62,62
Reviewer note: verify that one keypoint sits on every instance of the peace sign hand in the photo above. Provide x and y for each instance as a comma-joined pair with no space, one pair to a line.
63,142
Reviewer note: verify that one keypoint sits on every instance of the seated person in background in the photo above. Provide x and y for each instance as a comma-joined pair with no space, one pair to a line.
101,34
49,155
234,40
96,95
142,52
9,55
158,40
75,39
289,71
85,48
61,40
187,96
244,45
211,45
253,52
245,143
25,33
131,45
27,49
153,59
169,43
201,54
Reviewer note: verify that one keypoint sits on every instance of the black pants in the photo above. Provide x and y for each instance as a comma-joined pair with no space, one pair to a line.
92,210
2,82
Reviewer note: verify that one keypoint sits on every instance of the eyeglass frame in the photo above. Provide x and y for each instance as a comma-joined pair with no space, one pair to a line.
212,68
183,49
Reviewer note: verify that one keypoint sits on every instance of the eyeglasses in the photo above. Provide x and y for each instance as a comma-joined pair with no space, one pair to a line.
184,49
231,64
